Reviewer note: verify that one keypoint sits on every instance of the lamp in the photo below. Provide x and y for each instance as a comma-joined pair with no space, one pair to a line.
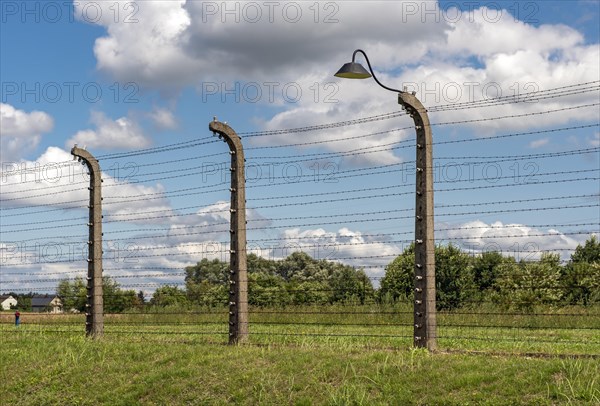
354,70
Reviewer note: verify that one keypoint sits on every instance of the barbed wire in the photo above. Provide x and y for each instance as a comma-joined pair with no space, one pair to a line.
337,175
164,148
515,99
395,114
354,152
432,124
200,141
274,322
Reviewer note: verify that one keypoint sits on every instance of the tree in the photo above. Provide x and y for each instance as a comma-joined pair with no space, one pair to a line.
486,269
591,282
398,281
205,293
299,266
453,275
117,300
23,301
580,276
213,272
141,298
73,295
528,284
258,264
367,291
589,253
298,279
267,290
206,282
581,283
169,296
308,292
349,285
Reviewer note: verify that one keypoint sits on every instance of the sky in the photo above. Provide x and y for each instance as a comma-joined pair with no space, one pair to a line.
137,84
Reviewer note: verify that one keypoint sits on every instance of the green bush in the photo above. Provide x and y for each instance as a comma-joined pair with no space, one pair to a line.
453,272
528,284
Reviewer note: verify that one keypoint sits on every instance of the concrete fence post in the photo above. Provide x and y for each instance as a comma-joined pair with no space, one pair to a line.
425,325
238,270
94,308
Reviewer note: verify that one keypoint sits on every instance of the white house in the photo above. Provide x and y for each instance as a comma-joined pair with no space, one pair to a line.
7,302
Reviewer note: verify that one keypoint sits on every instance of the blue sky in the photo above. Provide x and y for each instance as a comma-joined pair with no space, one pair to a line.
123,76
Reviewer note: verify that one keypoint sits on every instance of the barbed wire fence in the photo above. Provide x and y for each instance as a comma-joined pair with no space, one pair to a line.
154,235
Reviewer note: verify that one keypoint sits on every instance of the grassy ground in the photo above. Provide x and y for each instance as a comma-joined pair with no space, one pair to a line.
563,331
302,356
49,369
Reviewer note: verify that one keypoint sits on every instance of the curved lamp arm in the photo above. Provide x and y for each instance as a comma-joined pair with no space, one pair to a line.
373,73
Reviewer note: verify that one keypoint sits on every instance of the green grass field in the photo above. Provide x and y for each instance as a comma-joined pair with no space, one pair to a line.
303,356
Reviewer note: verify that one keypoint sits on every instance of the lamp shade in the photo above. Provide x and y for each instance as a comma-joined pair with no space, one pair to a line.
353,70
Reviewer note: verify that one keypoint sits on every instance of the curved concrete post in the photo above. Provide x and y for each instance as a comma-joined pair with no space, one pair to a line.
425,325
94,312
238,270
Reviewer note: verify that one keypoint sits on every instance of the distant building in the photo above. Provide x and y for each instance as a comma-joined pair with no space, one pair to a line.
7,302
46,304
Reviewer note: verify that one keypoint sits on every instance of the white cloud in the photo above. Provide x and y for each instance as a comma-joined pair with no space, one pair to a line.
55,181
209,223
177,43
17,123
539,143
512,239
54,178
486,32
594,140
205,234
182,43
163,119
372,143
147,50
351,247
122,133
21,132
513,69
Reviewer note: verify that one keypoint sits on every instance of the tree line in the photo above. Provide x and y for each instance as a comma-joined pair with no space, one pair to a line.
461,280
